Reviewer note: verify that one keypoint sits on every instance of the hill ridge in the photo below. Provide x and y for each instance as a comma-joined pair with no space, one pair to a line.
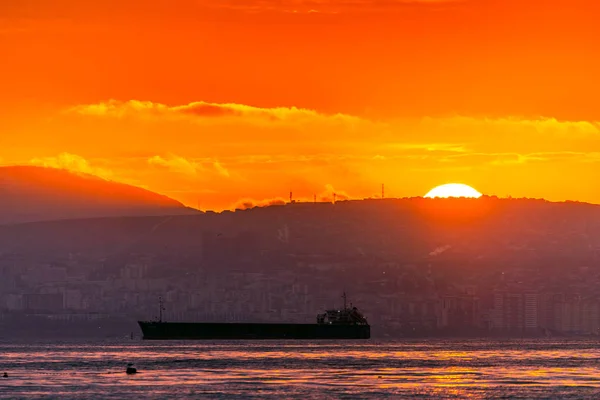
32,193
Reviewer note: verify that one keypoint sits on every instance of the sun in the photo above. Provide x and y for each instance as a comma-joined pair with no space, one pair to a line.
453,190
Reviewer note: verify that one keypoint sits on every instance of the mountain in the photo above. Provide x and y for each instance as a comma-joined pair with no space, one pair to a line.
29,193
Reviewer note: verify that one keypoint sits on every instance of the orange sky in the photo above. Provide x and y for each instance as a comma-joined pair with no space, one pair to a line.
213,101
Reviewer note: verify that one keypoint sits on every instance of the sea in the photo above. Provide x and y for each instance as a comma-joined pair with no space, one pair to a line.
424,369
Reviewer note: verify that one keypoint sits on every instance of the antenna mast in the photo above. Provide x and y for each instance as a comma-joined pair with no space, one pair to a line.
160,308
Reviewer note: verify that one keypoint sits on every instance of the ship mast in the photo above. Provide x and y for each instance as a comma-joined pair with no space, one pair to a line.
344,297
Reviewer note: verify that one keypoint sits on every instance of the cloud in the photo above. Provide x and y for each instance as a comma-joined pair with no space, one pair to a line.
72,163
204,111
221,169
511,159
521,128
506,159
289,131
176,164
187,166
430,147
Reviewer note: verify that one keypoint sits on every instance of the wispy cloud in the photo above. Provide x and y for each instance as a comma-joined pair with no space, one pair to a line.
221,169
512,158
176,164
429,147
491,127
431,134
187,166
73,163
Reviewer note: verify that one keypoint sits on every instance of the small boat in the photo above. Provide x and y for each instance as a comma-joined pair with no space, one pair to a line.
131,369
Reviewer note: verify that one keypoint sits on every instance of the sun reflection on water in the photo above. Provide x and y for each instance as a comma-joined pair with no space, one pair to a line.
449,369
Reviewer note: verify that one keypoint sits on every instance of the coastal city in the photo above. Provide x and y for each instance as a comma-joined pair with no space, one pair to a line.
231,279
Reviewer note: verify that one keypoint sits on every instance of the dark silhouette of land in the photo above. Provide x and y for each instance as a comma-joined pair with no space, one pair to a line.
413,266
30,193
490,229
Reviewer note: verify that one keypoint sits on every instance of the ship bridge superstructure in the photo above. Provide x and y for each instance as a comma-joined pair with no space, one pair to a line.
346,316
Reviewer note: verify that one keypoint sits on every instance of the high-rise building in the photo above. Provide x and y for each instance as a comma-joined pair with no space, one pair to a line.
515,311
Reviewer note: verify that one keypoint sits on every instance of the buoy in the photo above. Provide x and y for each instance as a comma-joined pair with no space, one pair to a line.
130,369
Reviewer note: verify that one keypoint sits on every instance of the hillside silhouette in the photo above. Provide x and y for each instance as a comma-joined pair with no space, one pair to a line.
482,231
29,193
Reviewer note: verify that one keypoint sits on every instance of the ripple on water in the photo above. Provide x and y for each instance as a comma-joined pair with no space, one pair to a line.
279,369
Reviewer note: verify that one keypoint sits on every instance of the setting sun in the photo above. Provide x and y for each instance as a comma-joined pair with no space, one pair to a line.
453,190
312,105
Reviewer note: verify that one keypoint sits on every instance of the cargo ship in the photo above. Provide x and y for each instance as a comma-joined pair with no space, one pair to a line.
345,323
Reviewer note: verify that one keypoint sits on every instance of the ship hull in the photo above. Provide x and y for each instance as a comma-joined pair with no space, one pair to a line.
250,331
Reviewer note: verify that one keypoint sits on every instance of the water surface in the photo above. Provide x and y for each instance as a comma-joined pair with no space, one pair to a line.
302,370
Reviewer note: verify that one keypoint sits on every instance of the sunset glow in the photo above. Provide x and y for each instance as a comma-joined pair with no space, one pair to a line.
218,103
